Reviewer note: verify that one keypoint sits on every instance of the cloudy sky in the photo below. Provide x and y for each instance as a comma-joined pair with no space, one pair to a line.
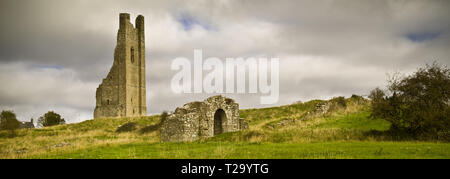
54,53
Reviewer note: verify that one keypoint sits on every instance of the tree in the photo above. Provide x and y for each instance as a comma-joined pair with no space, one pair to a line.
8,121
50,119
378,102
418,104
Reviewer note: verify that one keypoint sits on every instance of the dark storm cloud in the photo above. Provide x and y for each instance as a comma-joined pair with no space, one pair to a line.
53,33
54,53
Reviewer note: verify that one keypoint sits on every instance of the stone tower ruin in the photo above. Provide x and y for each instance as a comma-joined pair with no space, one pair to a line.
122,92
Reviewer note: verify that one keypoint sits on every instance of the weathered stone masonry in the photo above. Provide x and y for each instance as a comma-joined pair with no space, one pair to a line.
196,120
122,92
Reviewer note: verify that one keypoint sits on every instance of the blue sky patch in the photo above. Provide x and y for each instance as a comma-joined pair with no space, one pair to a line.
188,22
421,37
57,67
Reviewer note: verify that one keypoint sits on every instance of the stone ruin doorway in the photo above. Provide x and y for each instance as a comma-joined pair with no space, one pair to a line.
202,119
219,118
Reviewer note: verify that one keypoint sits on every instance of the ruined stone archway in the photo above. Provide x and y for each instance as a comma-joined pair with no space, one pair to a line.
219,118
200,119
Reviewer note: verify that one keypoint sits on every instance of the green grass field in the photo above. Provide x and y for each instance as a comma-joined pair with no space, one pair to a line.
232,150
341,133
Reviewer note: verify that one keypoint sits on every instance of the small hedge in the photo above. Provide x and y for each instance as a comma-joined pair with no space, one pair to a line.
127,127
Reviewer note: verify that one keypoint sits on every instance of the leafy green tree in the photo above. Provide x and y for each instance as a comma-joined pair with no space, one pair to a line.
378,102
418,104
50,119
8,121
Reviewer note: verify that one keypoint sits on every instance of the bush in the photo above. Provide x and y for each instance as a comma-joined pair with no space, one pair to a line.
50,119
127,127
164,116
150,128
155,127
418,104
444,135
8,121
338,103
379,104
357,98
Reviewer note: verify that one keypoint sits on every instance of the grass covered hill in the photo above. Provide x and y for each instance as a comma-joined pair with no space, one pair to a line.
337,128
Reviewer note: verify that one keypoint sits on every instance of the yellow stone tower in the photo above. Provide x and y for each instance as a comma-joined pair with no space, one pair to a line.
122,92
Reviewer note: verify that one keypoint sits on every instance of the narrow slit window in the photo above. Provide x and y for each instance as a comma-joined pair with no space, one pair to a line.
132,54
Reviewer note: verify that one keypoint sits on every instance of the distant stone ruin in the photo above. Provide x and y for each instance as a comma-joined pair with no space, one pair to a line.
122,92
27,125
197,120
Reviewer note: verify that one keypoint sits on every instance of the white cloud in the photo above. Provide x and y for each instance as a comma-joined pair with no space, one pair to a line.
33,90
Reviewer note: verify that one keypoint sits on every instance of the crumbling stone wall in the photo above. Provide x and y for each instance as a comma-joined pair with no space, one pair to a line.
197,120
122,92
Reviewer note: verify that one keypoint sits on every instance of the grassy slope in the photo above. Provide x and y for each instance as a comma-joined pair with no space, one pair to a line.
340,134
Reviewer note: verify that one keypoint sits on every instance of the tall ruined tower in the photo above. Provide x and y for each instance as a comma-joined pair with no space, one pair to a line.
122,92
